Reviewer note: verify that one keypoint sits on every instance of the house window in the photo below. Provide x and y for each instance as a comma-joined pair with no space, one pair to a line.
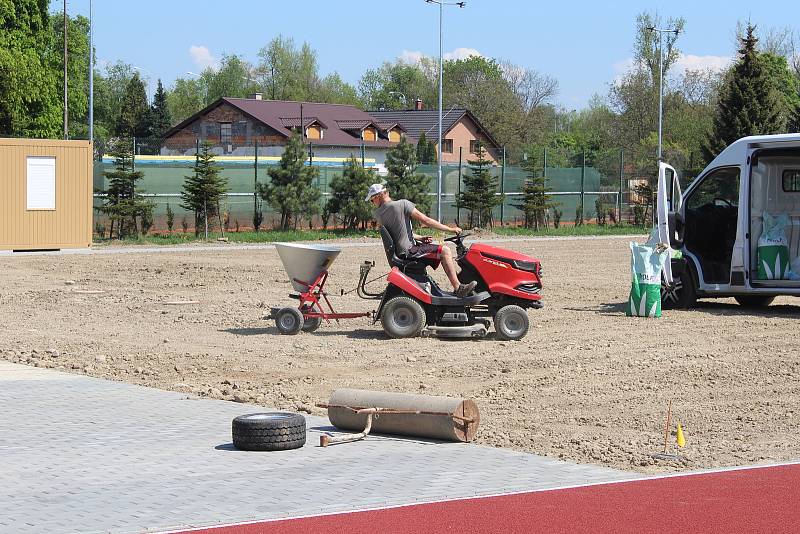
394,135
225,132
314,132
791,180
41,183
474,146
447,146
368,134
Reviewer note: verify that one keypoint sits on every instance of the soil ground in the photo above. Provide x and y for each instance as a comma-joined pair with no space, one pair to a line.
587,384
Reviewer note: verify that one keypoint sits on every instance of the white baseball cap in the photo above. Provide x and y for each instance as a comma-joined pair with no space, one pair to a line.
375,189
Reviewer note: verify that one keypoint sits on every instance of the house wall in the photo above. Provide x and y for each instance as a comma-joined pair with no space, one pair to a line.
462,133
245,132
69,225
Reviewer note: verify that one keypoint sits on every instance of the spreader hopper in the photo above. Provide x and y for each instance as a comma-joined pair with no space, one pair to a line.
305,262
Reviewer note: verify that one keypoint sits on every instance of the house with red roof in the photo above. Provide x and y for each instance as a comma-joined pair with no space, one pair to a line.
334,132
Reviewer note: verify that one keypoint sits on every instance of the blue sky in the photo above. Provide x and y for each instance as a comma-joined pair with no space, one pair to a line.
583,44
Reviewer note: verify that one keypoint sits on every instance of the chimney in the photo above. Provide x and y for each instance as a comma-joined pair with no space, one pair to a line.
255,96
418,106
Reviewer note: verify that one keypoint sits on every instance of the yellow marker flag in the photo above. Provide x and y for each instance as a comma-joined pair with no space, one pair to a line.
679,437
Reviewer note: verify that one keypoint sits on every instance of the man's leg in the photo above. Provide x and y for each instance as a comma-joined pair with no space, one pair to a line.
449,266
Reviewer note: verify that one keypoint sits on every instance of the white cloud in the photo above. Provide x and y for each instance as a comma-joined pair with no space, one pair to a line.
203,58
415,56
692,62
686,62
411,56
461,53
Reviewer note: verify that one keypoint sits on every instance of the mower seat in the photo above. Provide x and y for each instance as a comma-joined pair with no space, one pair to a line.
409,266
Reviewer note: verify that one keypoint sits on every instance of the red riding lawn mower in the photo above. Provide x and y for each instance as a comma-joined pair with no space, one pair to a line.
508,284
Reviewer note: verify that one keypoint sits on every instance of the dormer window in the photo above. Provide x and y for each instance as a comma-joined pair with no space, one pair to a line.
369,134
315,131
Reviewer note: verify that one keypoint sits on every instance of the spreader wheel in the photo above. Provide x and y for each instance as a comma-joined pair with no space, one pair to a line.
311,324
403,317
289,321
511,323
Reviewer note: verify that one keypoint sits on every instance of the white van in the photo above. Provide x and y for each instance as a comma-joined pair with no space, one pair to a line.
716,223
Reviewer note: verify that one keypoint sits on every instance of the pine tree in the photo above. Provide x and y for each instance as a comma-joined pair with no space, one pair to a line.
479,195
422,149
123,203
159,113
291,190
347,195
203,191
134,113
402,181
794,118
749,103
430,155
535,200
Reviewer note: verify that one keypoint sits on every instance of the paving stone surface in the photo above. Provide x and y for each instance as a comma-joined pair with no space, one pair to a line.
80,454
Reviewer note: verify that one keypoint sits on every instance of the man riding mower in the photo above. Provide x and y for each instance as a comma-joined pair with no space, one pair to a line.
507,283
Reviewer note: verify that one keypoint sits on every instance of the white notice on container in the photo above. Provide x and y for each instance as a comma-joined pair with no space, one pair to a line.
41,180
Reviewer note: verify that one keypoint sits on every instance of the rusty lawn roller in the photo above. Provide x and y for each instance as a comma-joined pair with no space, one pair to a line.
425,416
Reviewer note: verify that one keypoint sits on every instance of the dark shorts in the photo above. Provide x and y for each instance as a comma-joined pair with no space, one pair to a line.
427,253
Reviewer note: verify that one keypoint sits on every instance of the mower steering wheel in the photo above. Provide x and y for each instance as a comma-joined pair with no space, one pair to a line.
458,237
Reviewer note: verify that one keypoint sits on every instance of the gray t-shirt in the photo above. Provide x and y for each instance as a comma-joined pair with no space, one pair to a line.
395,216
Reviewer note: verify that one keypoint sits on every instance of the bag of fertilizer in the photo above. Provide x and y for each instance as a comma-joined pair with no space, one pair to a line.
646,265
773,248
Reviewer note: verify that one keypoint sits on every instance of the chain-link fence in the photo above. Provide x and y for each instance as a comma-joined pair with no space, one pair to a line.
587,186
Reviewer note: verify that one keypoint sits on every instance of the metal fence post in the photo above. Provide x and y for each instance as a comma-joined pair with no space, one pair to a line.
503,187
255,182
458,188
583,188
621,174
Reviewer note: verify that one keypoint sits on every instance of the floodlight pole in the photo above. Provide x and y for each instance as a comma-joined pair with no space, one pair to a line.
91,74
439,158
661,32
66,127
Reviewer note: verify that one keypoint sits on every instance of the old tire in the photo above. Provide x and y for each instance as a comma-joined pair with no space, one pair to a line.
273,431
681,295
511,323
311,324
289,321
402,317
754,301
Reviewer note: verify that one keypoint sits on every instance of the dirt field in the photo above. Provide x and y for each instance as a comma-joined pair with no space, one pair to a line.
588,384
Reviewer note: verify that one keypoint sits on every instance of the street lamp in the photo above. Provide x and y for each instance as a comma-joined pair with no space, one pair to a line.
441,5
405,100
148,80
661,32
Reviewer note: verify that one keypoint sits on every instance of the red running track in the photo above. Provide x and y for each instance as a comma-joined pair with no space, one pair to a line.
758,500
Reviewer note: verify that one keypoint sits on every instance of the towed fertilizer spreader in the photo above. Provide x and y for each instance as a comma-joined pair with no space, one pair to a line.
412,304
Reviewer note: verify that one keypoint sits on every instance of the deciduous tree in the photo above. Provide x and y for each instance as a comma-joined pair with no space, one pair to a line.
402,180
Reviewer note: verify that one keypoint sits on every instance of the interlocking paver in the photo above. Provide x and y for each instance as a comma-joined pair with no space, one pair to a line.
82,454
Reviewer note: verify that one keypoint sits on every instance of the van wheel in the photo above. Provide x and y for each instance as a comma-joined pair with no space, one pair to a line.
681,294
511,323
754,301
403,317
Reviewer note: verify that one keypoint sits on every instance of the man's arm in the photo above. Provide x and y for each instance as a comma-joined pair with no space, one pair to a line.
433,223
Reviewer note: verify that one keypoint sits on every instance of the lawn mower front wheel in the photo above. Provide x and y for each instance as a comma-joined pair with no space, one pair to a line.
403,317
511,323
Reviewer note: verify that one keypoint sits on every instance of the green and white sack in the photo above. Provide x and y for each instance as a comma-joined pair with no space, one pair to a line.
646,266
773,248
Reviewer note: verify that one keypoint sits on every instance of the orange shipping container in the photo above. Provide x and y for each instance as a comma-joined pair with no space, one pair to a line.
45,194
